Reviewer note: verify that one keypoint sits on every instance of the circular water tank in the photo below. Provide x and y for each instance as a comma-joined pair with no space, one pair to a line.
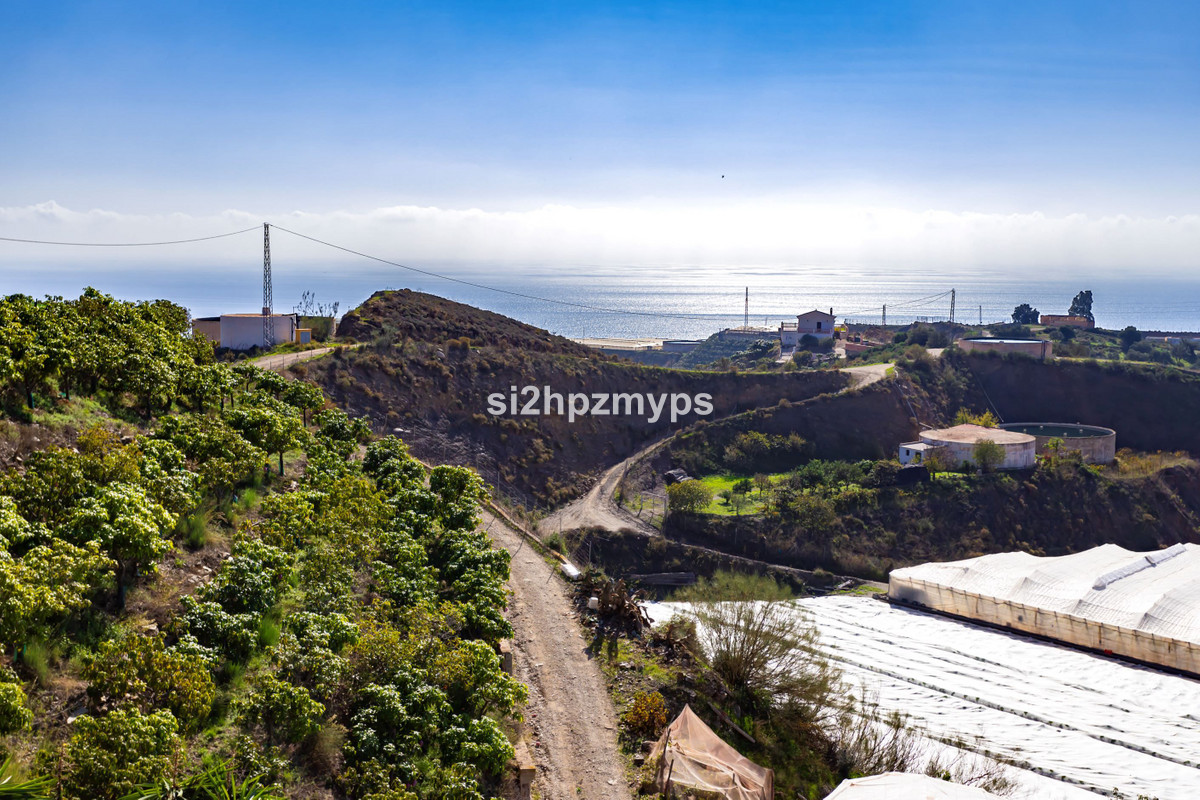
1097,444
959,444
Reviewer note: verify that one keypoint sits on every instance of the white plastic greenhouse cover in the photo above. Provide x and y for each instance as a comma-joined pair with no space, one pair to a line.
1138,605
905,786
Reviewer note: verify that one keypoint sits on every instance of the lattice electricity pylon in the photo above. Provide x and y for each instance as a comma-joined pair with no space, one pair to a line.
268,323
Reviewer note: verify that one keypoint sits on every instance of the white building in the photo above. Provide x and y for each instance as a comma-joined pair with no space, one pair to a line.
813,323
244,331
913,452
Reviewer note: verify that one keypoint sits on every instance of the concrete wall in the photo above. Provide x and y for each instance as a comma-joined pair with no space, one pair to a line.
1018,455
210,328
1099,449
1035,348
1171,653
242,332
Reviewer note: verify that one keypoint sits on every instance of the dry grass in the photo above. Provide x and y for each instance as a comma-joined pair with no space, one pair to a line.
1130,465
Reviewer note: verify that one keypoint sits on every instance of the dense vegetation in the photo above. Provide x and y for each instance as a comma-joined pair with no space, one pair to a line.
851,518
344,643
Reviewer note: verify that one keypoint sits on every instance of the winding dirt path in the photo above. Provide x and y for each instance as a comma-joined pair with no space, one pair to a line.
570,714
597,509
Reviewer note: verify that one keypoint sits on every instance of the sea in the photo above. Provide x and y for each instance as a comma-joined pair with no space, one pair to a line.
672,302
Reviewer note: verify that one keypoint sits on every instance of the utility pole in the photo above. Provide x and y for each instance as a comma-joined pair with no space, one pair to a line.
981,316
268,326
885,315
746,315
951,305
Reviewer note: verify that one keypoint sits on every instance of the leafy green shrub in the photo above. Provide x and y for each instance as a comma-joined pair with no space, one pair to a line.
14,713
139,672
108,756
233,636
688,496
47,583
251,580
646,715
284,713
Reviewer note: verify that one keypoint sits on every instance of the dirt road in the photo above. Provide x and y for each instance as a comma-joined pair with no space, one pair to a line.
865,376
597,509
570,714
278,362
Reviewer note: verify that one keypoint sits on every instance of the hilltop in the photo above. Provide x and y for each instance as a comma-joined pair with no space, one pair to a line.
405,314
430,365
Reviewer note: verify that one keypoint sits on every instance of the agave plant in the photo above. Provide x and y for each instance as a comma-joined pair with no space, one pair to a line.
12,789
217,782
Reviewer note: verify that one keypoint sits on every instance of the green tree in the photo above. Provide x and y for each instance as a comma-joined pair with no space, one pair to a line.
139,672
1129,336
966,416
223,458
688,496
1025,314
987,455
48,582
1081,306
108,756
283,712
268,424
305,396
128,526
14,711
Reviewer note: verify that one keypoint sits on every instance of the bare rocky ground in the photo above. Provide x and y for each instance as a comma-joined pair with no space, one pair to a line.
570,723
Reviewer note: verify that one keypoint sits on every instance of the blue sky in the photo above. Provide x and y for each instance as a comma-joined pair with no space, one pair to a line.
144,117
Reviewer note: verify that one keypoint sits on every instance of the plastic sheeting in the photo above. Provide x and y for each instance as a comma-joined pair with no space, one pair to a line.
690,755
1139,605
905,786
1074,725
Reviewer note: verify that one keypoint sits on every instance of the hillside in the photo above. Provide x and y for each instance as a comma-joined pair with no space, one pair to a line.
405,314
833,505
1150,407
215,586
436,391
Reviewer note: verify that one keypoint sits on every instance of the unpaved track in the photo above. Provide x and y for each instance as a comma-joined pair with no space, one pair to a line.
597,509
865,376
570,714
280,361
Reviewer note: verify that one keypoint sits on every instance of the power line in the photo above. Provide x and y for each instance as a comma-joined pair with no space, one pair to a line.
128,244
920,301
724,318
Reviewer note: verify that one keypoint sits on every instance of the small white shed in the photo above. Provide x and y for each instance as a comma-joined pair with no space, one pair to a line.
913,452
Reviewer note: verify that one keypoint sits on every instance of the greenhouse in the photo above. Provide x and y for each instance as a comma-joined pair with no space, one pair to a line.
1143,606
905,786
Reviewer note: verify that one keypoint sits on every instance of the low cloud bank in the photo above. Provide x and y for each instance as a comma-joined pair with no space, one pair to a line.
766,234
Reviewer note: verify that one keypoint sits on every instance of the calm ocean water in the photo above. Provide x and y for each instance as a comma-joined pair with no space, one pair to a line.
641,302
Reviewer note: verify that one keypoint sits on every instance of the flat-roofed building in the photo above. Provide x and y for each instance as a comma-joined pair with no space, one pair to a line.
245,331
1066,320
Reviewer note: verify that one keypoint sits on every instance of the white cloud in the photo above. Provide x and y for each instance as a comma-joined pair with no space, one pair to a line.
764,234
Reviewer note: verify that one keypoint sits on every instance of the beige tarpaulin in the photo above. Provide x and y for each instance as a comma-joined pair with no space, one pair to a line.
691,756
